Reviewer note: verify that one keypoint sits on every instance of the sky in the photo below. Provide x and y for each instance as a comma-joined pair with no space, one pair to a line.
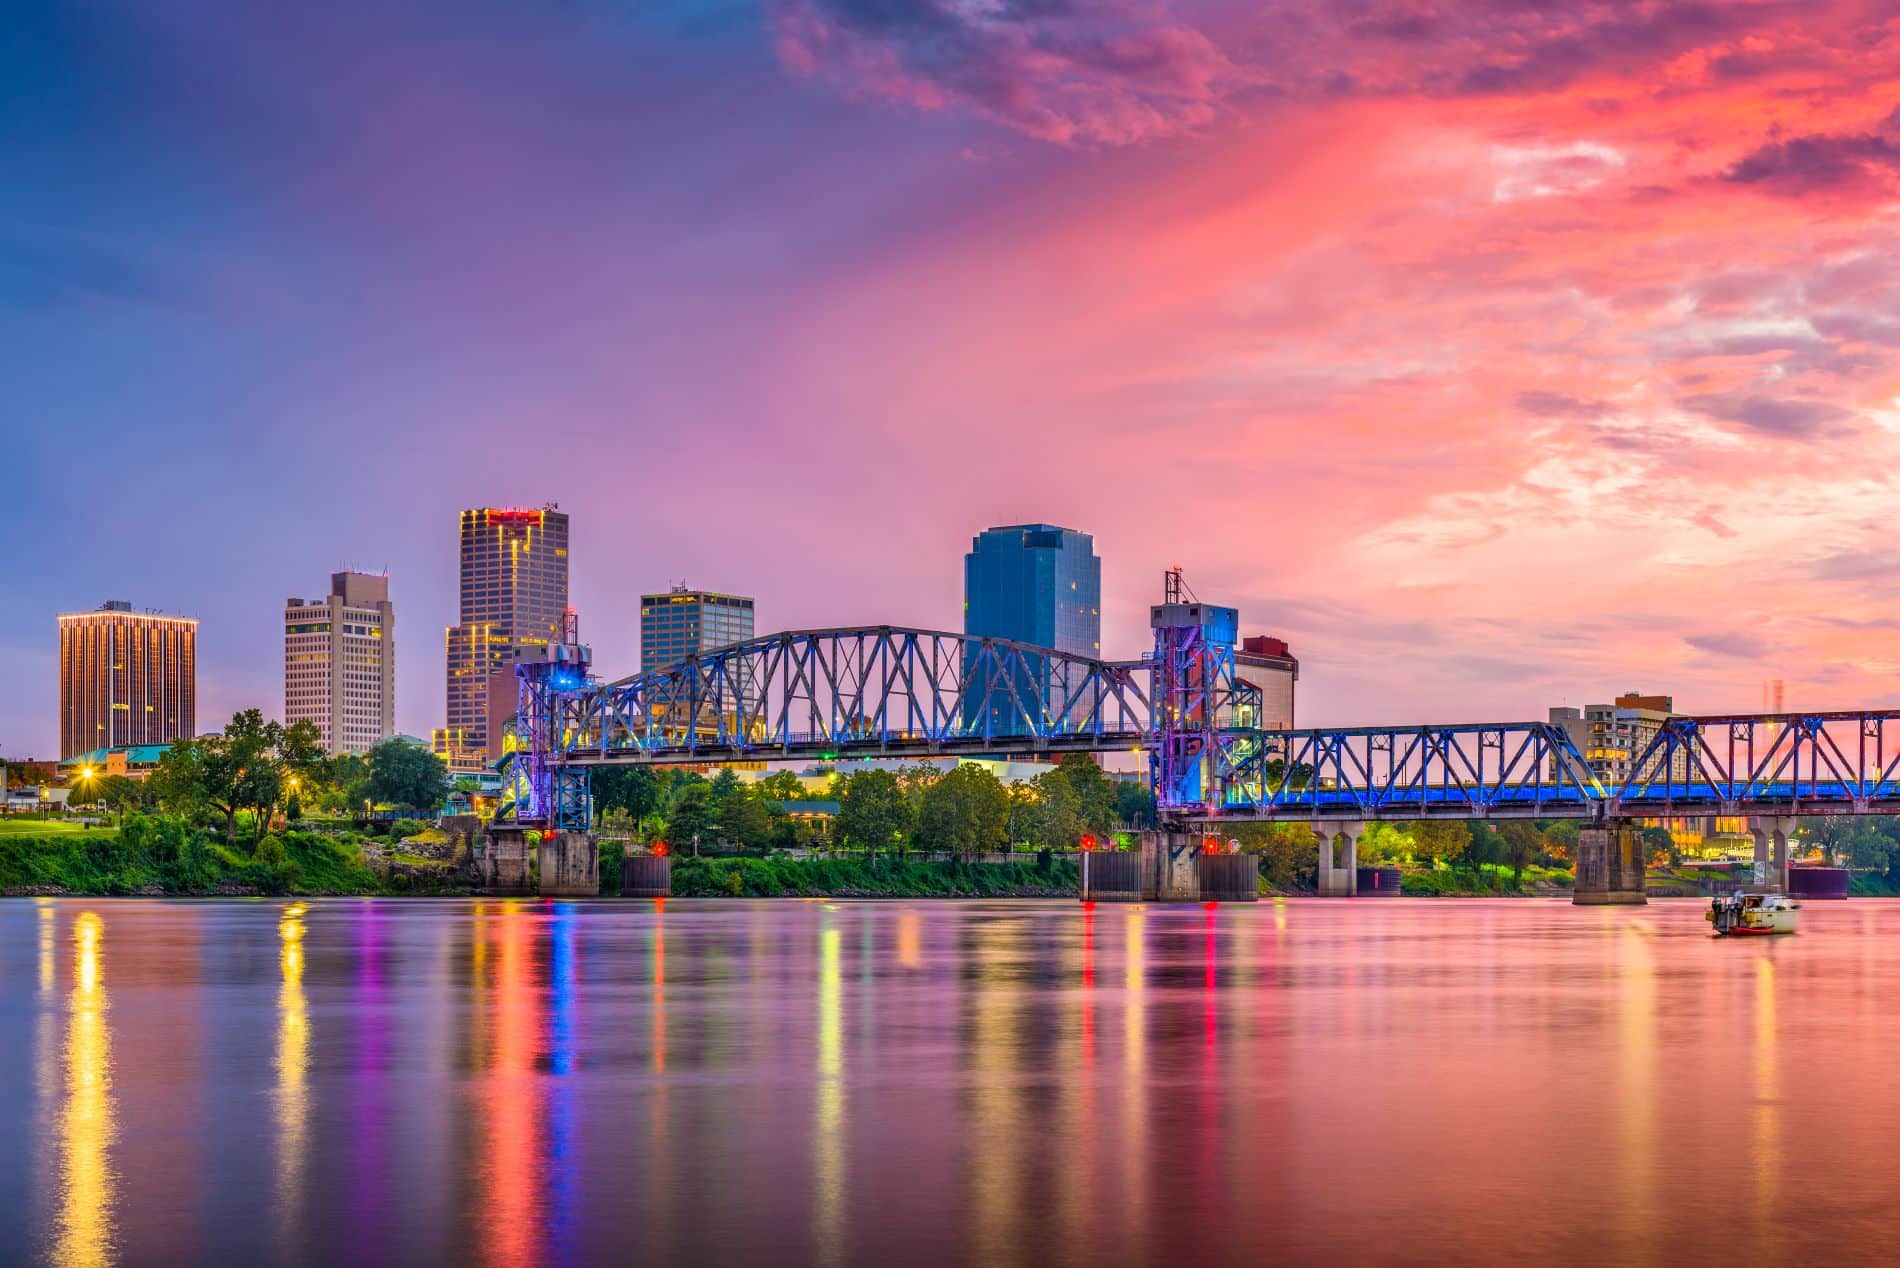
1496,354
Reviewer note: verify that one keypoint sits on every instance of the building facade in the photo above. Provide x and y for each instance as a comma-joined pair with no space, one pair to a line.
126,678
340,663
1269,665
1031,583
513,600
1614,737
683,622
1034,583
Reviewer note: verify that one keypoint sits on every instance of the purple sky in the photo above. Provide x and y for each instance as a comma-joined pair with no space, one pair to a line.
1497,356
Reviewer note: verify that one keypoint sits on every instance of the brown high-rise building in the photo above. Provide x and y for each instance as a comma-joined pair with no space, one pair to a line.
514,597
125,678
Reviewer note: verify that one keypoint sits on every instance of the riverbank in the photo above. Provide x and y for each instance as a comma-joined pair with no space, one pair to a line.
872,878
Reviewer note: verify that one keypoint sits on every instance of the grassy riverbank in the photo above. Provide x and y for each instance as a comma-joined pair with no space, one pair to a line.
871,878
155,856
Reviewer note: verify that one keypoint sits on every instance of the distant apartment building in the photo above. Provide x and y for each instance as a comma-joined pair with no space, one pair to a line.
125,679
683,622
340,663
1614,737
513,600
1269,665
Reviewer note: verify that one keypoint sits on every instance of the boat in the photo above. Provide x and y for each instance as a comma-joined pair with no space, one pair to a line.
1750,914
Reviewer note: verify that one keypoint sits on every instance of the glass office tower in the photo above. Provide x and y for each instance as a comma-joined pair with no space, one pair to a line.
1032,583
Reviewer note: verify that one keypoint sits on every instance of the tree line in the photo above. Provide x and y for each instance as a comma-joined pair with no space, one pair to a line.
254,769
965,809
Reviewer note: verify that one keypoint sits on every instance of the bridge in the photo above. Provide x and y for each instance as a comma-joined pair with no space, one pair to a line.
902,692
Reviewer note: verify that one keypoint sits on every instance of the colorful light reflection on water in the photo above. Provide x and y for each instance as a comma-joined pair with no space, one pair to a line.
524,1083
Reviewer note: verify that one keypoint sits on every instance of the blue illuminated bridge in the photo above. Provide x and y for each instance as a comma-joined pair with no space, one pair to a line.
891,691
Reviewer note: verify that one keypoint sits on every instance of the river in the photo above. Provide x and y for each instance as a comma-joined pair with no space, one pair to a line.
786,1082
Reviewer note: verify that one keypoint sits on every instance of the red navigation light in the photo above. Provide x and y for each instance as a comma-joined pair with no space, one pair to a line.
1210,845
1088,842
659,849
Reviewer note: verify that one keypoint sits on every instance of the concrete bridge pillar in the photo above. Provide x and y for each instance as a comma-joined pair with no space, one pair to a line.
569,865
1610,862
1339,857
502,865
1168,870
1771,833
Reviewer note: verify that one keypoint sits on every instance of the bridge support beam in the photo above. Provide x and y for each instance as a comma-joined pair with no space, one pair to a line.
1771,835
1168,870
569,865
1339,858
1609,866
501,867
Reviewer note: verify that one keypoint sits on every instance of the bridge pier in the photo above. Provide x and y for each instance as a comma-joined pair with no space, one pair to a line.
1175,869
1339,878
569,865
1610,866
1771,833
502,865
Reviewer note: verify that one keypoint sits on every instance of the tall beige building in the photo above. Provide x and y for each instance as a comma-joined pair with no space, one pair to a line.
514,601
125,678
340,662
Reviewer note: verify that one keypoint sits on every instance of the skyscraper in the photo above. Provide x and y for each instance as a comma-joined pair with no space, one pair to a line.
1035,583
340,662
514,598
125,678
682,622
1031,583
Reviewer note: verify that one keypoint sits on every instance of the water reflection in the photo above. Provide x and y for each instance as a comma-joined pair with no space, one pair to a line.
507,1105
292,1093
538,1083
828,1112
85,1232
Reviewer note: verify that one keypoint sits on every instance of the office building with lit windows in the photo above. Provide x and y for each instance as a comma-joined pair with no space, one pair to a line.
126,678
340,663
682,623
514,600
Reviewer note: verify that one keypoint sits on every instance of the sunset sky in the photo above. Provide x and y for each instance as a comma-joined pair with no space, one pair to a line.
1496,354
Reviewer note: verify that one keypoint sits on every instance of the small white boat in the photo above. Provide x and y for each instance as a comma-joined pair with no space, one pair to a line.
1748,914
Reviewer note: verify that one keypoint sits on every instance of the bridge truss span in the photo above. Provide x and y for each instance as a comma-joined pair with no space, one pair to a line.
858,691
1470,771
1764,764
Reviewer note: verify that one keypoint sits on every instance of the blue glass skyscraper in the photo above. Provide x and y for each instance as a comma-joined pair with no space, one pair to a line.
1033,583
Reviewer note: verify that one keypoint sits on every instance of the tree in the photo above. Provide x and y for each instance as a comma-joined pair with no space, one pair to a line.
1485,846
1868,848
744,820
1829,833
344,781
966,811
1435,839
1094,791
1560,839
873,812
782,785
1521,842
1056,819
1134,802
1658,844
406,776
634,789
691,816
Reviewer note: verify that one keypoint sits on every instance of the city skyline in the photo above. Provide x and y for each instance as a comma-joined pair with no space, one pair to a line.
1493,373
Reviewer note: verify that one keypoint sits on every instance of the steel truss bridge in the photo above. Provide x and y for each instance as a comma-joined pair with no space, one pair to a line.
896,692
